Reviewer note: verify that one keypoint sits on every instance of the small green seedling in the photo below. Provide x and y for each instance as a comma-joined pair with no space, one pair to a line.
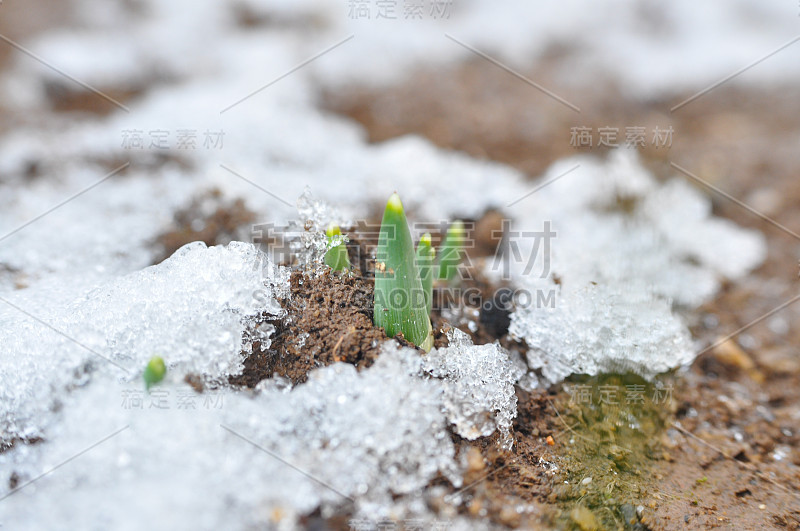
425,259
451,252
404,278
154,372
400,304
337,257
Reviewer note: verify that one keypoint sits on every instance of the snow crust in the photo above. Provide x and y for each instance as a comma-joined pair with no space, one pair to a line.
260,460
478,383
191,310
629,255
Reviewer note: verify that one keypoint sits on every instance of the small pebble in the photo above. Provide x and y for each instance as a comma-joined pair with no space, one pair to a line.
584,518
475,461
628,513
509,517
762,506
586,481
730,353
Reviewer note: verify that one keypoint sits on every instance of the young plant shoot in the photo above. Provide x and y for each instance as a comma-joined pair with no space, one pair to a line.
451,252
400,305
336,257
154,372
425,259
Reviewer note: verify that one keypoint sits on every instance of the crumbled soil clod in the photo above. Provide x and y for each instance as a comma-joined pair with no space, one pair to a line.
195,381
329,319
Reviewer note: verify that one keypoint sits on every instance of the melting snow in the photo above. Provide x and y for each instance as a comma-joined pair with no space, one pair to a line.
478,382
191,310
628,255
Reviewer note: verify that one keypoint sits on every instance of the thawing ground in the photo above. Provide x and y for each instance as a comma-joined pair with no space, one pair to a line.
82,312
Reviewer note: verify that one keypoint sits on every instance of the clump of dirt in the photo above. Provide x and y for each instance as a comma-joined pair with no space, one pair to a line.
195,381
329,319
209,218
329,316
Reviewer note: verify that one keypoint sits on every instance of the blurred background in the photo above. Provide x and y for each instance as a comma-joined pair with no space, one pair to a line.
195,120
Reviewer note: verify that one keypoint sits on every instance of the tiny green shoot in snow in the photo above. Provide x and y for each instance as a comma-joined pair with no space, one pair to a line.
451,252
400,303
404,277
426,255
336,257
154,372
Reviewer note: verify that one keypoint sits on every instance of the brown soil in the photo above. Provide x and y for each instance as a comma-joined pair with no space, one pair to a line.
721,468
67,97
498,481
209,218
20,20
329,319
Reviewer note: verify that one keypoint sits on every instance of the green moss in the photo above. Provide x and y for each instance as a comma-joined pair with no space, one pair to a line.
616,424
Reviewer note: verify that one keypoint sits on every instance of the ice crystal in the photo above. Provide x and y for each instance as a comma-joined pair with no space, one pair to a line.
311,243
602,329
478,383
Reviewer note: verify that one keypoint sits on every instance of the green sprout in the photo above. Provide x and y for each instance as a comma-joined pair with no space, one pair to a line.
154,372
337,257
400,304
451,252
425,258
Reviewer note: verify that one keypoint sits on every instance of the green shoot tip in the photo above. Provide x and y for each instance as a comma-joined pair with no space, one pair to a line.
333,230
154,372
394,204
425,240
